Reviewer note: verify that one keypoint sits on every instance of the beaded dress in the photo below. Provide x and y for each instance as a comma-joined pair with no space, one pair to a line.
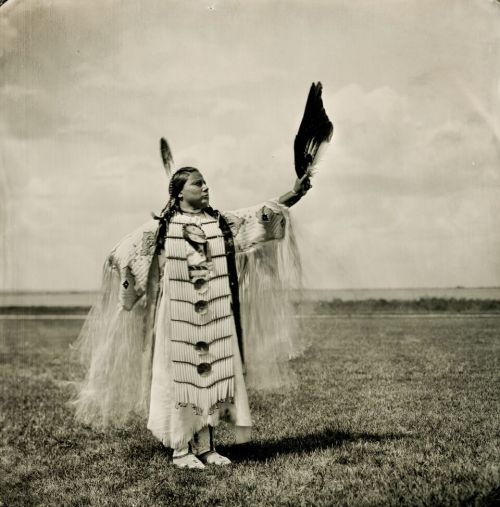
161,342
197,375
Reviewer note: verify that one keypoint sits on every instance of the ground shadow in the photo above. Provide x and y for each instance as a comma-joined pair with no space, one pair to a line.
328,437
492,499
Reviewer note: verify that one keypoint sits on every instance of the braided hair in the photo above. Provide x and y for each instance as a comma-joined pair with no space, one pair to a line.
177,182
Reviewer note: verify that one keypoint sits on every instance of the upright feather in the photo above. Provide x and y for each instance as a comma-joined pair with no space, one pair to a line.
315,129
166,156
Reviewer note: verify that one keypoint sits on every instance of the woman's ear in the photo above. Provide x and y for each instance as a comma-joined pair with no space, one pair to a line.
180,197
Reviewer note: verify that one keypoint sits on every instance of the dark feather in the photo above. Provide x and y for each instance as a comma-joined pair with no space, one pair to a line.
315,129
166,156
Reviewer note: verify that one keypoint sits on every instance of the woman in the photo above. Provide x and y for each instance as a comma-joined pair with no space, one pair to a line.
167,337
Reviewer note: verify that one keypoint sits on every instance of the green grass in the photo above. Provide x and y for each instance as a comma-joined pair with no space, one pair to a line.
390,411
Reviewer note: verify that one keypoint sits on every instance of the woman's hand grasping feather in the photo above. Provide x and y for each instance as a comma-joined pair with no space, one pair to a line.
300,188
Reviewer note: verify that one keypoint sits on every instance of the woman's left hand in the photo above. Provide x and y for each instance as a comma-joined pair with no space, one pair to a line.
303,184
301,187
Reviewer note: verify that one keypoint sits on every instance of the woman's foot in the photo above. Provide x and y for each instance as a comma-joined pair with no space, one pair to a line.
213,458
188,460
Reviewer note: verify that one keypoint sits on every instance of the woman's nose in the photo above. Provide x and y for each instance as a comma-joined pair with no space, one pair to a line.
204,187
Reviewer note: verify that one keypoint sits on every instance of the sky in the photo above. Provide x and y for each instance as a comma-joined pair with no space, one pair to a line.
406,195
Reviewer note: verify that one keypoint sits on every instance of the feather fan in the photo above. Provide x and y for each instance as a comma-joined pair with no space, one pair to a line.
315,130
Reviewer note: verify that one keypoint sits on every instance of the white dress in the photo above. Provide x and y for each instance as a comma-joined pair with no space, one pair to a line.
126,344
175,425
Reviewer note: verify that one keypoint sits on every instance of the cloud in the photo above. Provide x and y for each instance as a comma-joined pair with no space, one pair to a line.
412,171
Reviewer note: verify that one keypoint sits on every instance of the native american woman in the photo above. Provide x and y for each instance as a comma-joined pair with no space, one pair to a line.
195,307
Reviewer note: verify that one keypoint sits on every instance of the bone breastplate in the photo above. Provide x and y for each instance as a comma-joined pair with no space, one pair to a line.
202,323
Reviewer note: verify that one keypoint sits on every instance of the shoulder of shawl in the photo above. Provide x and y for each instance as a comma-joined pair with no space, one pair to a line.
132,257
139,242
234,221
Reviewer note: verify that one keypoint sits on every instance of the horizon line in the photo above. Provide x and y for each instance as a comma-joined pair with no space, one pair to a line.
83,291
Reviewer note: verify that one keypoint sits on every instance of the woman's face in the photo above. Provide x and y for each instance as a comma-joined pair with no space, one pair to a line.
194,194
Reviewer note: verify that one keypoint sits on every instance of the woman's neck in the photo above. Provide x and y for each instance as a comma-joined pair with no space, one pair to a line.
189,209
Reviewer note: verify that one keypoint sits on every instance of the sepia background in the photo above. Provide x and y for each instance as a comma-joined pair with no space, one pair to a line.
396,400
407,195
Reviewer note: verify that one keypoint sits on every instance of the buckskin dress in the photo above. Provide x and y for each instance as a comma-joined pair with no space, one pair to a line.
162,343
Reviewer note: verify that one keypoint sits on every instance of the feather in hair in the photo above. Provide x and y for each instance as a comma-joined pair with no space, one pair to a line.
166,156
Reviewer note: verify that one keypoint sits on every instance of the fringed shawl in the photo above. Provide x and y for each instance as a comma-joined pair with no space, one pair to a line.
116,341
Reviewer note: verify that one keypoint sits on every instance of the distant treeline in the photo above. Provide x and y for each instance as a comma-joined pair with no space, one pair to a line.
398,305
339,306
44,310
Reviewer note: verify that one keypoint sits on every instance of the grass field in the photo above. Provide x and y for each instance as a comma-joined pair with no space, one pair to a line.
391,410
